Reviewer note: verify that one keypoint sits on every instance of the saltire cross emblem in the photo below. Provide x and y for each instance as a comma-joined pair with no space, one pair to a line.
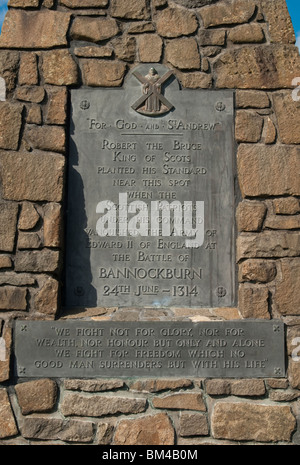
152,102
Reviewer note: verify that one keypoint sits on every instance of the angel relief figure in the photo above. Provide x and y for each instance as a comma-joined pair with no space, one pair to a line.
152,101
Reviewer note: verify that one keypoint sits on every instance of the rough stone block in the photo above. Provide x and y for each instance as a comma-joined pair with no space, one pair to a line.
56,111
157,385
125,48
91,385
57,429
196,80
150,48
261,271
53,228
34,94
268,244
59,68
294,374
284,396
37,261
78,431
254,301
190,59
13,298
93,51
218,387
17,279
48,3
193,424
148,430
230,12
269,133
211,51
9,65
212,37
246,33
139,27
286,206
28,72
8,425
104,433
49,138
282,222
103,73
34,114
10,125
279,22
257,67
47,29
94,29
250,215
47,297
23,4
8,225
185,401
29,240
135,9
97,406
277,383
252,99
175,22
247,387
252,421
240,387
189,3
29,217
36,396
35,176
268,170
5,261
84,3
287,297
287,113
248,126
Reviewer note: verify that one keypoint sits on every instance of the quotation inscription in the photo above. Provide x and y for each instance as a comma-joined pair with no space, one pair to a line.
96,349
151,200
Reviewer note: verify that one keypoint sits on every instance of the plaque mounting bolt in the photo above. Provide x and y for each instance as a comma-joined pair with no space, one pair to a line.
79,291
24,328
277,371
221,291
84,104
276,328
22,370
220,106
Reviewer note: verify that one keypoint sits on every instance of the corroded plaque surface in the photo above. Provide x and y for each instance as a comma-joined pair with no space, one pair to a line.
150,217
119,349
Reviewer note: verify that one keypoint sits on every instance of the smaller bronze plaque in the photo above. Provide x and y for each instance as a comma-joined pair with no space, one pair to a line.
92,349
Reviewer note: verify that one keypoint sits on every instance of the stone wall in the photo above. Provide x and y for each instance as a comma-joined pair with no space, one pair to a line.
50,46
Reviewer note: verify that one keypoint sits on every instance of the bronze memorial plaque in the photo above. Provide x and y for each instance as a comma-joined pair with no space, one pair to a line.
92,349
151,200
